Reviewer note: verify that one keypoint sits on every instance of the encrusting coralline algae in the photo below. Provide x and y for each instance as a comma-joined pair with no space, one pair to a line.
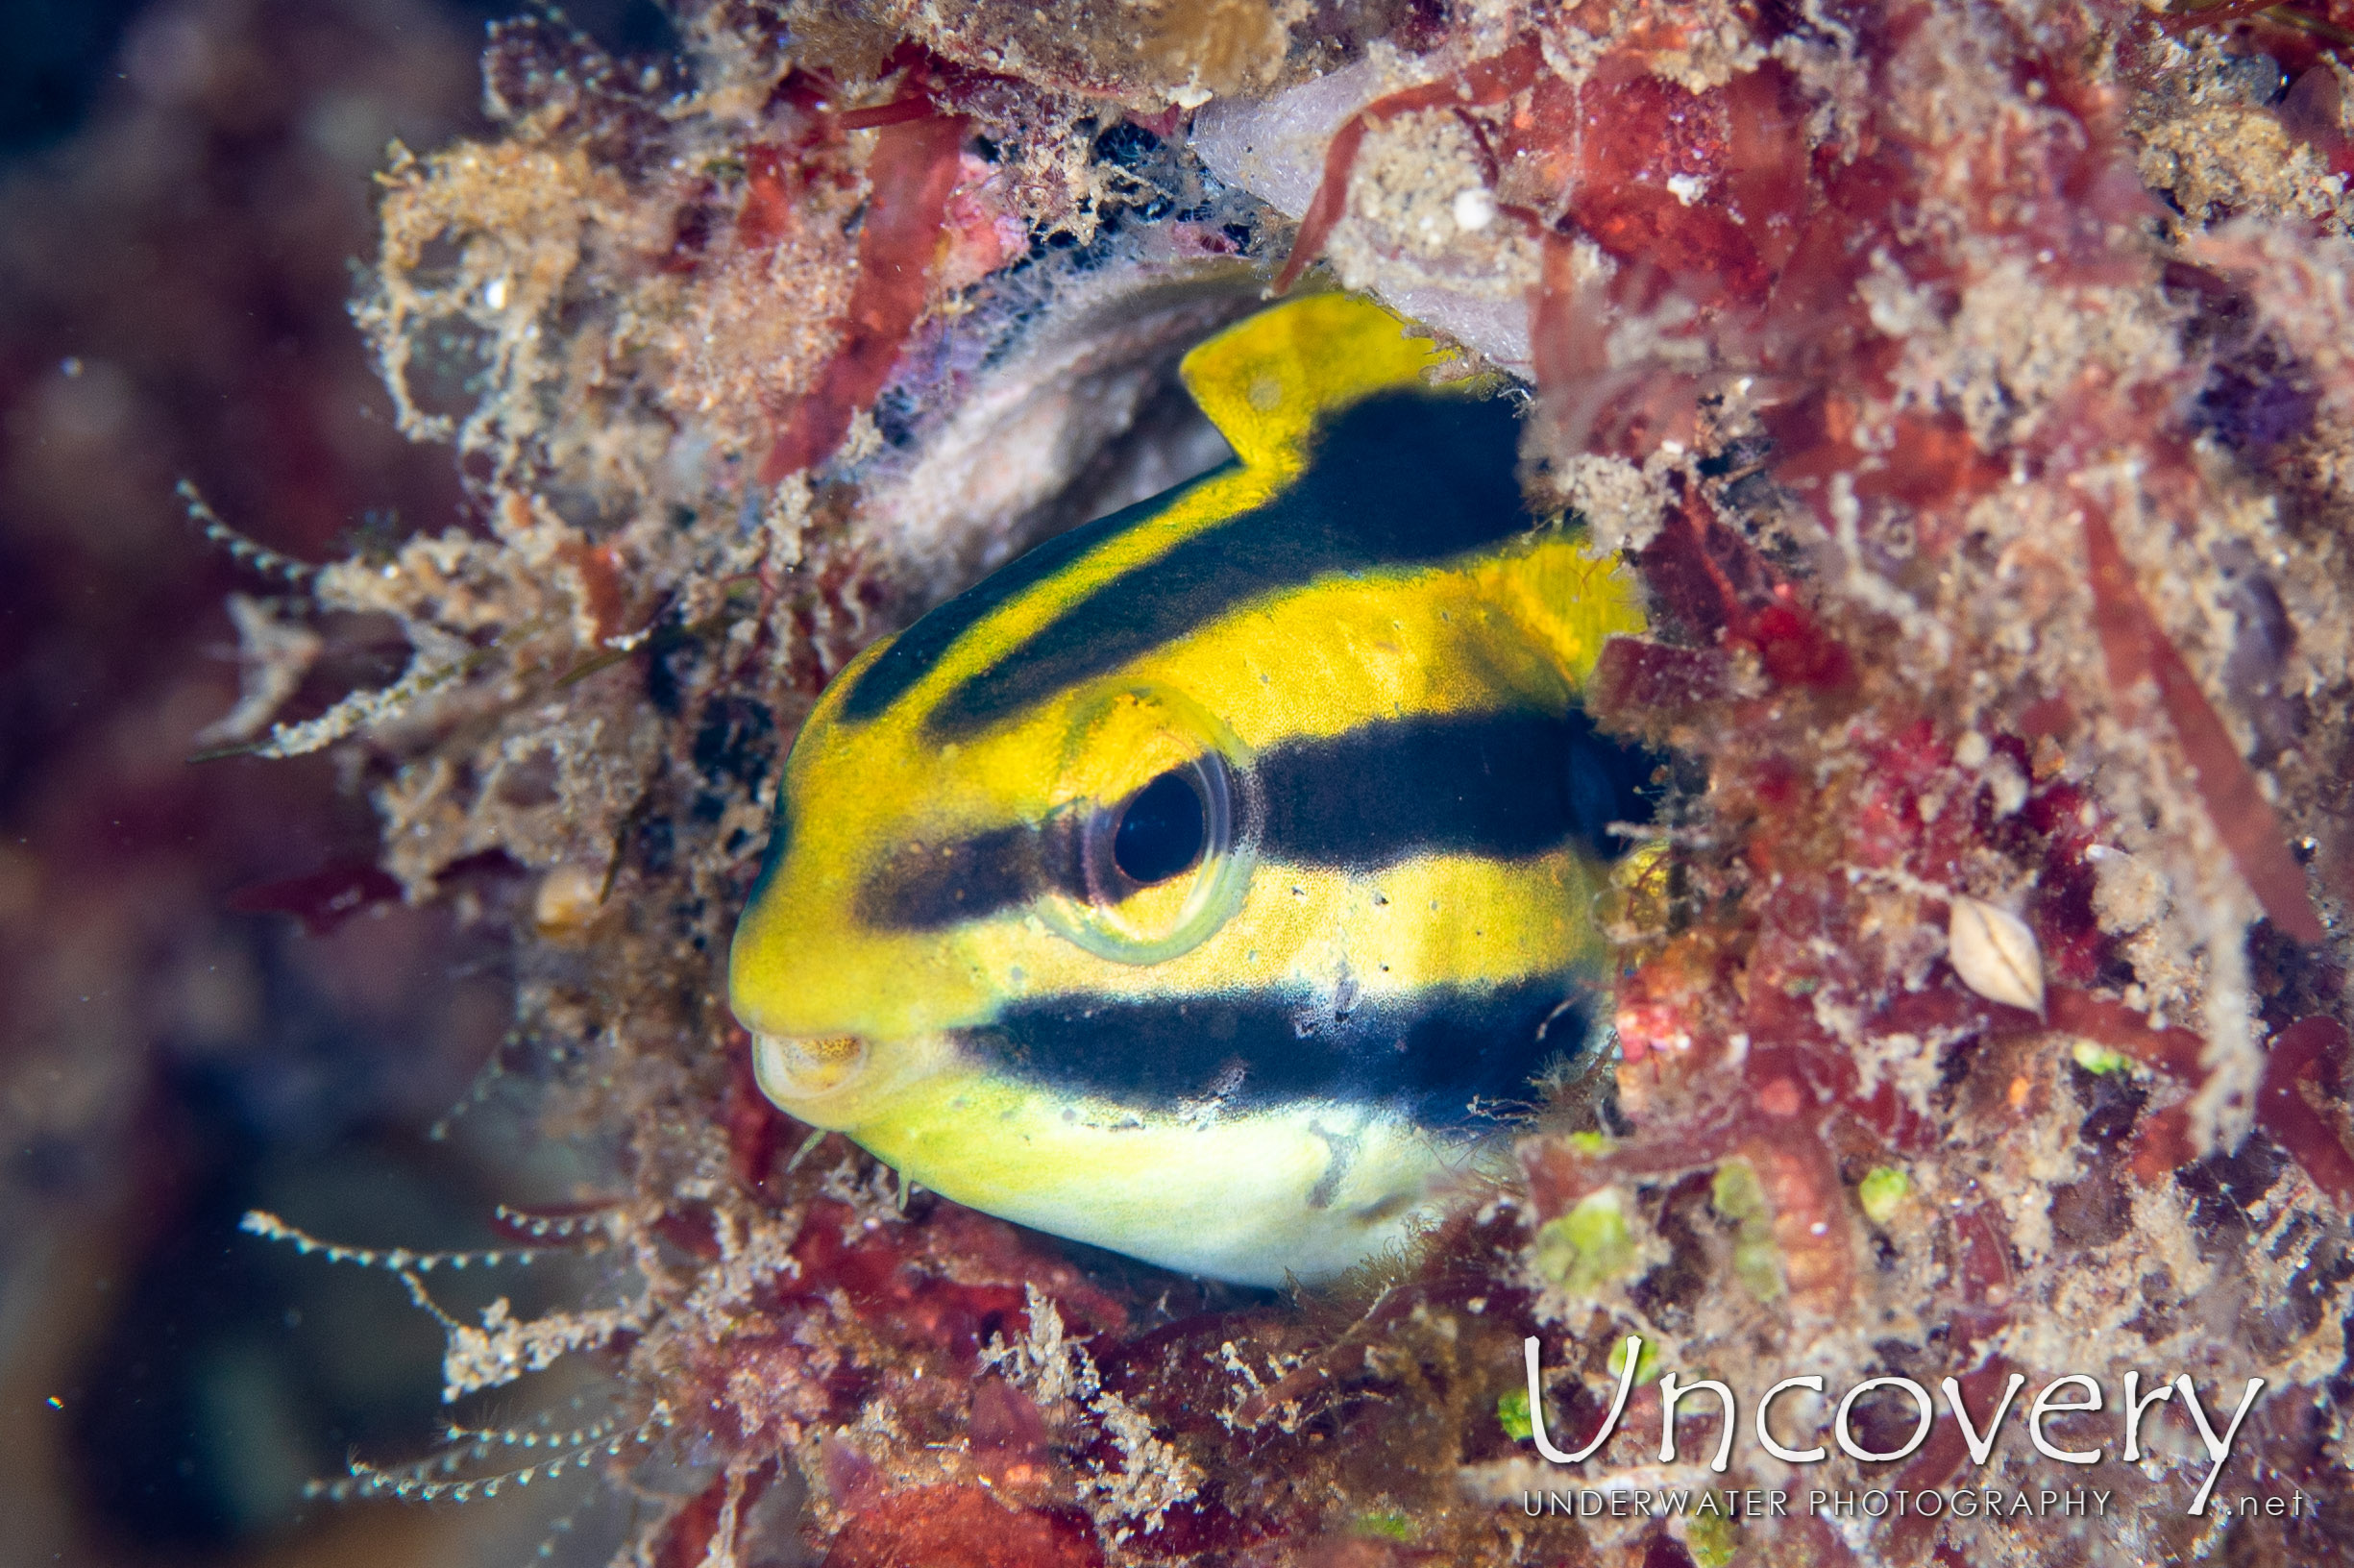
1968,386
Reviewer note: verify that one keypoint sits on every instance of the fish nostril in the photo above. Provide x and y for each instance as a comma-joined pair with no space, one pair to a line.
793,1069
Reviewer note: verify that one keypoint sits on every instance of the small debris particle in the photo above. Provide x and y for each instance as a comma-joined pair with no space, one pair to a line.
1882,1192
1995,954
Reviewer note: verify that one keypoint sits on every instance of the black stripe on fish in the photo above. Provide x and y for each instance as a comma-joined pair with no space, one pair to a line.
1447,1056
1400,479
781,838
926,887
901,665
1503,785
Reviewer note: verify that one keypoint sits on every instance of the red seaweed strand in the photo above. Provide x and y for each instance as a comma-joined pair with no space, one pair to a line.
2137,648
2175,1052
1482,82
2282,1111
913,171
693,1534
2162,1145
2181,22
1941,1459
898,112
322,899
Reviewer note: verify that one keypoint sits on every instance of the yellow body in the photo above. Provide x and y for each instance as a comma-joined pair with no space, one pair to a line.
945,785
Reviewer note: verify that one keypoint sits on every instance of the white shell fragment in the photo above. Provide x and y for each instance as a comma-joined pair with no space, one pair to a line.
1995,953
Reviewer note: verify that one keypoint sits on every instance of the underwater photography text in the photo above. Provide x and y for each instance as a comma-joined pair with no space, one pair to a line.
2071,1394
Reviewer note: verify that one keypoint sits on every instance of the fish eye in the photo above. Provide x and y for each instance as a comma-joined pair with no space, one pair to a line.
1156,825
1181,821
1161,830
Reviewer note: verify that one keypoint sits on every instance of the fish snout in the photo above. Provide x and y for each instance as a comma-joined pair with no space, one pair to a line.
800,1073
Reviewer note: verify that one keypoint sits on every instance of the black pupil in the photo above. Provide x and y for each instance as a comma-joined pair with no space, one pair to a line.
1161,832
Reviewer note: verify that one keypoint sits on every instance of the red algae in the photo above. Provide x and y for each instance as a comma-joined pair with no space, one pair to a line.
913,169
2306,1133
2175,1052
1480,82
961,1527
322,899
708,1524
2137,652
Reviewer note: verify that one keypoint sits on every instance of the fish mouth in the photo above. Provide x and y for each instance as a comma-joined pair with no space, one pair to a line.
796,1071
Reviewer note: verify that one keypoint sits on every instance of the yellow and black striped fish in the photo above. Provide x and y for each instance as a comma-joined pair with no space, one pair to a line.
1202,884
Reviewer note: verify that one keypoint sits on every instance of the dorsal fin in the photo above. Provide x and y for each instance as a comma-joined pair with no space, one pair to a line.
1270,379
